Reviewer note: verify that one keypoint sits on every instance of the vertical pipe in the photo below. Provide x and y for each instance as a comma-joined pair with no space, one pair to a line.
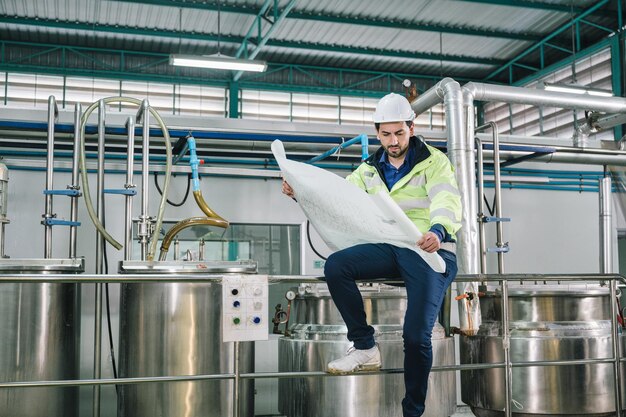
498,193
469,230
4,198
606,226
481,206
365,142
53,113
506,344
460,120
237,381
130,159
145,161
615,333
75,185
99,260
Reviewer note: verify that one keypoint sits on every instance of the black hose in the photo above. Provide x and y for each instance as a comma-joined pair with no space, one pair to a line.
491,209
156,183
107,302
308,236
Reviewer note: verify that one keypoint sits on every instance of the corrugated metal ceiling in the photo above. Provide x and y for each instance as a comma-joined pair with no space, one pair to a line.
363,29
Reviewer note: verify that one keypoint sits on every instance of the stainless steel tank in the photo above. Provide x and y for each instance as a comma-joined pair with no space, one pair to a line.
169,329
39,338
546,323
318,335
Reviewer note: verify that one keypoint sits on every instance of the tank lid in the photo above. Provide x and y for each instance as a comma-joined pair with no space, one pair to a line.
42,266
188,267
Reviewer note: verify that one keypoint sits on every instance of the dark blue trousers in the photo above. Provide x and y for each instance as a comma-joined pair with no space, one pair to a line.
425,292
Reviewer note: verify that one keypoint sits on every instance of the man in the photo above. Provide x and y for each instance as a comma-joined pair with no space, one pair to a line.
421,180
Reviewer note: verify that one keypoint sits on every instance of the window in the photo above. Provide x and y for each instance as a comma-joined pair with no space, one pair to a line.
593,71
275,247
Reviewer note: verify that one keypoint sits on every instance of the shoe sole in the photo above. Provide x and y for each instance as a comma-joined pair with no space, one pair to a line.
360,368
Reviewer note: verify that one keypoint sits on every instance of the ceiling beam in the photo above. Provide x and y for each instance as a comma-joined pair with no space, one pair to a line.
351,20
131,65
210,37
264,38
528,4
545,40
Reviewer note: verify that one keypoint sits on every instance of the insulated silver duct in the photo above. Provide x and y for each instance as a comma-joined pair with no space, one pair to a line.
460,127
606,226
459,121
520,95
461,154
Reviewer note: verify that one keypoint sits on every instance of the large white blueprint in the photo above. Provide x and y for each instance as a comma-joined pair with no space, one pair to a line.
344,215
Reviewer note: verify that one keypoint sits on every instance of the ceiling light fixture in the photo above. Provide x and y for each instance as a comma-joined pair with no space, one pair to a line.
218,62
576,89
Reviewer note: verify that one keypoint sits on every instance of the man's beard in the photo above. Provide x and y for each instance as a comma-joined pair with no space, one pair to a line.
397,152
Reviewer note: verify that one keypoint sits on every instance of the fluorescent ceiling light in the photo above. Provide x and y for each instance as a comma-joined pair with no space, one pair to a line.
218,62
576,89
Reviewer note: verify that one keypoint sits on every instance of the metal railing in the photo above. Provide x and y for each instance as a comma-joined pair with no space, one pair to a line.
502,279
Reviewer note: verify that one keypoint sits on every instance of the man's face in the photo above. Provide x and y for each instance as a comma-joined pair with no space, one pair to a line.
394,137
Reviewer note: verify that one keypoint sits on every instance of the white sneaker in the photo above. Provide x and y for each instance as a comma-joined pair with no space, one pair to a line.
356,360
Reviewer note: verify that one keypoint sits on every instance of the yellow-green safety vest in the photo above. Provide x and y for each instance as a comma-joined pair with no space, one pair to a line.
428,194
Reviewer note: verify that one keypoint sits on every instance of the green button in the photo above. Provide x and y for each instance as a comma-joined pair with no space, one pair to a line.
236,320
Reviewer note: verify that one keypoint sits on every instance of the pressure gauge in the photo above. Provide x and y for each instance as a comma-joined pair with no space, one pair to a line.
406,83
290,295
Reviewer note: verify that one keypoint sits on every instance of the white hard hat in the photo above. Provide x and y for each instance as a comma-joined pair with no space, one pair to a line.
393,108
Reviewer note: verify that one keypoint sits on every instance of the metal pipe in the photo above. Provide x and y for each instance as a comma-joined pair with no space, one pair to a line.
283,375
615,338
144,220
157,277
459,155
480,169
53,113
498,191
4,199
97,363
584,158
343,145
469,229
431,97
536,97
100,184
506,344
236,382
606,225
130,161
75,179
201,250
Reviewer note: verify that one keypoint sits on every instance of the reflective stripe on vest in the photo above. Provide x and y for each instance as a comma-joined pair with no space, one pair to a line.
414,203
443,212
417,181
438,188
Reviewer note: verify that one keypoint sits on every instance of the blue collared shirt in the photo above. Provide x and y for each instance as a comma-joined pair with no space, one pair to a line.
393,174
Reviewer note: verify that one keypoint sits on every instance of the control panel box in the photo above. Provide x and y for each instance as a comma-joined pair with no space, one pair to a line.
244,308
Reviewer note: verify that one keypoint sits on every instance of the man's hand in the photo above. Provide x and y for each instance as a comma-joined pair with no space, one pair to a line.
287,190
429,242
